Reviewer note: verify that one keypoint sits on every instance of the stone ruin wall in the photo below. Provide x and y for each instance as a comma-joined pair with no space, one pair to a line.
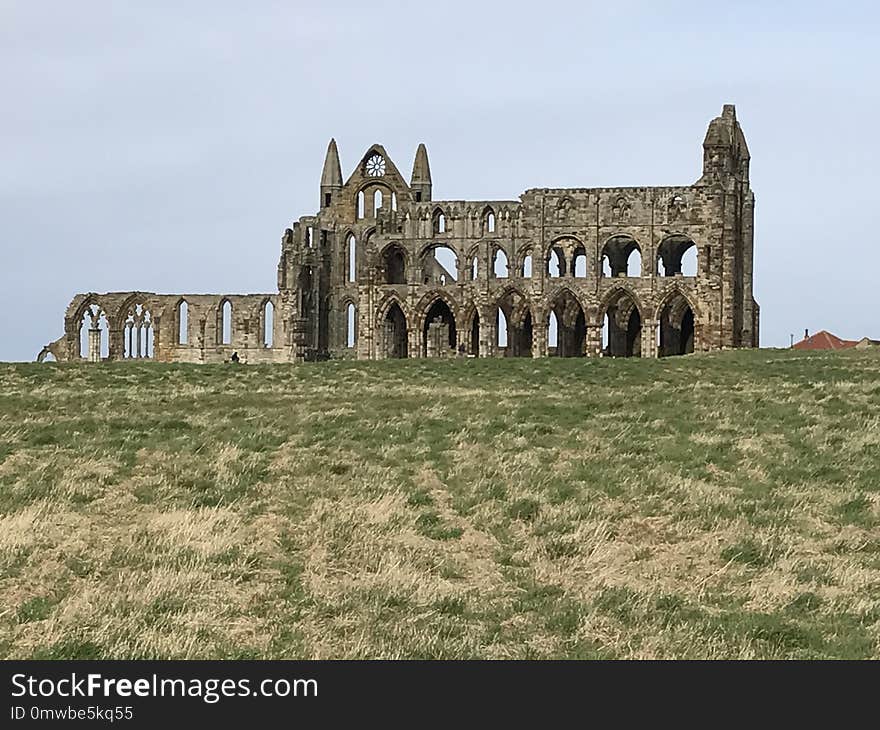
362,277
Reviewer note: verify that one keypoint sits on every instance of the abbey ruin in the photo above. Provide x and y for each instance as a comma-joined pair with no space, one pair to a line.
383,270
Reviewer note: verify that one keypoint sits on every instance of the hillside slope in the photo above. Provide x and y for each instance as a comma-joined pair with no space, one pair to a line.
708,506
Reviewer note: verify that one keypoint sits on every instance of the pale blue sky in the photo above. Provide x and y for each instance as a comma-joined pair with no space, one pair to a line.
166,148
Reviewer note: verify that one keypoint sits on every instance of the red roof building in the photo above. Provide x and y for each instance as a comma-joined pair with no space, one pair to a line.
823,341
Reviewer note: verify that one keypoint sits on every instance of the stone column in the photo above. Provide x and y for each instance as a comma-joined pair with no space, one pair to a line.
593,340
94,344
487,332
649,338
539,334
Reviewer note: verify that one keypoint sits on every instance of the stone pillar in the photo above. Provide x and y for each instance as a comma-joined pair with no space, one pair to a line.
539,335
94,344
593,340
487,332
649,338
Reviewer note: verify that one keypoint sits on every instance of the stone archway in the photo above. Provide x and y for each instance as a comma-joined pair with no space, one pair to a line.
570,321
439,334
395,335
622,326
677,327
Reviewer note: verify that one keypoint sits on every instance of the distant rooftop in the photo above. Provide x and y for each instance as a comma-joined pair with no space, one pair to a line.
824,340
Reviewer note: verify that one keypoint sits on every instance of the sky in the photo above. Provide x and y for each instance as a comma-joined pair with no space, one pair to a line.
165,146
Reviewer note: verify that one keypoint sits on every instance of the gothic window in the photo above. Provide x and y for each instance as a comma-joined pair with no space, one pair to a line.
502,329
138,333
352,258
225,323
350,325
490,221
375,166
182,322
499,264
268,323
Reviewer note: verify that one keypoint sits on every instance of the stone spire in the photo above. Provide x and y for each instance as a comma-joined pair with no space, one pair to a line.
331,177
421,175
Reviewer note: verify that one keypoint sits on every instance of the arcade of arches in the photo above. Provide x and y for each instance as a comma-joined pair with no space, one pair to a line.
385,269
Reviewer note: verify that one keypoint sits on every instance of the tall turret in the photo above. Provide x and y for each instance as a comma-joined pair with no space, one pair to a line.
331,177
421,175
724,149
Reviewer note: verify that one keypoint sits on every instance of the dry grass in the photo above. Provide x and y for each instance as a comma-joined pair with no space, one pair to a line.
708,506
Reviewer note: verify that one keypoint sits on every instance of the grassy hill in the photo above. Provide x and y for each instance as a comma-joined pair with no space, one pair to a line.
707,506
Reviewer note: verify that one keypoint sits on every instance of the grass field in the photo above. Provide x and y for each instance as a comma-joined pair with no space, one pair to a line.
709,506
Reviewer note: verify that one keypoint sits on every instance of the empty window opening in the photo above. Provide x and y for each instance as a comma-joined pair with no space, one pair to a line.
621,256
94,337
352,258
677,256
137,340
438,222
360,205
502,329
474,269
268,322
377,200
579,263
310,237
555,264
634,263
490,222
499,264
393,201
182,322
441,266
226,323
350,325
527,267
689,262
553,331
395,265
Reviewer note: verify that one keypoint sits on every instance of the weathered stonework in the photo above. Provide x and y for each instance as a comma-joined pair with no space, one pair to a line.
363,277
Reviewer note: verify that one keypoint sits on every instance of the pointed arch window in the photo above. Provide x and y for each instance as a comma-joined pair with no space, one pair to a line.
352,258
182,322
350,325
490,221
267,320
224,333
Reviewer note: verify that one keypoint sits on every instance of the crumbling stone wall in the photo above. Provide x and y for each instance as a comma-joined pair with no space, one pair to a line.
364,277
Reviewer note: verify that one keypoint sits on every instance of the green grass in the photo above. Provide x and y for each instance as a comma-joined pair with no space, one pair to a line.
713,506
